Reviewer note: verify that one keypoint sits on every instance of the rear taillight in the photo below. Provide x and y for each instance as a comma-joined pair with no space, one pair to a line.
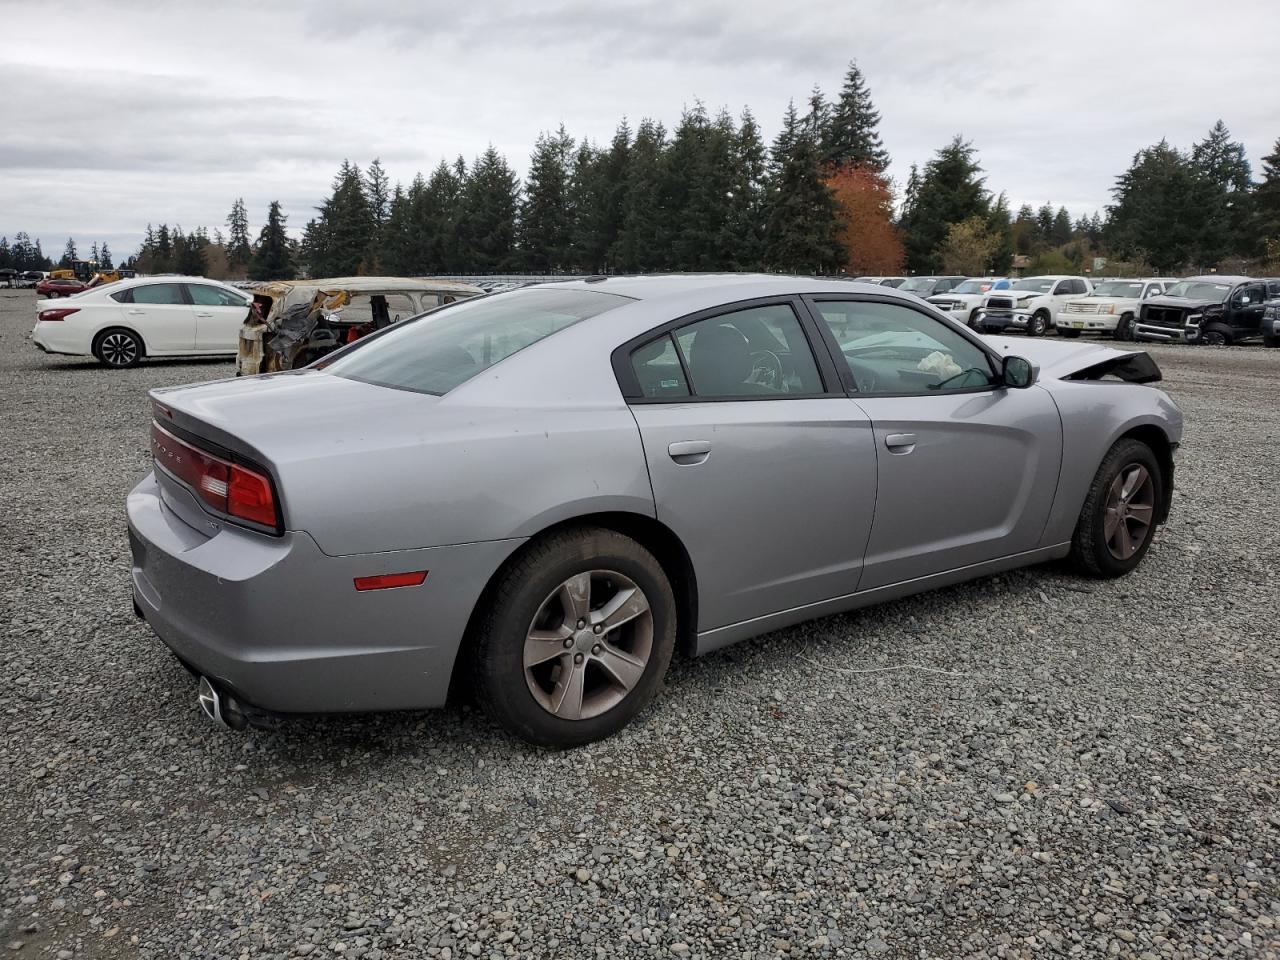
61,313
227,487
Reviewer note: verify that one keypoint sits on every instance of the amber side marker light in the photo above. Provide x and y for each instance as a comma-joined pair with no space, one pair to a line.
387,580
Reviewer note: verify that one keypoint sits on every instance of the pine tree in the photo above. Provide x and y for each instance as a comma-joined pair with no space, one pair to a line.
1266,199
1061,233
238,250
817,122
950,191
697,181
1162,203
803,227
545,226
748,212
487,227
1000,229
162,251
437,212
853,133
1044,226
104,257
588,252
69,253
641,238
271,259
341,243
1025,231
396,253
6,258
1221,161
93,252
377,186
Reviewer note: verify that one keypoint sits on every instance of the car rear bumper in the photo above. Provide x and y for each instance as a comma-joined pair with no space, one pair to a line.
57,336
280,625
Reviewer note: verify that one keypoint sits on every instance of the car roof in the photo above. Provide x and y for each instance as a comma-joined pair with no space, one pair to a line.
1215,278
361,285
658,286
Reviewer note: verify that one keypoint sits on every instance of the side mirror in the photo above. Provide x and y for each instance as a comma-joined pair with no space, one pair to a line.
1018,373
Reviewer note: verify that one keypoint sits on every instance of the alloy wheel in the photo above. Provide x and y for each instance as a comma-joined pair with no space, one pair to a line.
1130,511
119,349
1214,338
588,645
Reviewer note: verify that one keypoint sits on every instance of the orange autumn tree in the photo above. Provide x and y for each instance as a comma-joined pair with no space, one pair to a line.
865,209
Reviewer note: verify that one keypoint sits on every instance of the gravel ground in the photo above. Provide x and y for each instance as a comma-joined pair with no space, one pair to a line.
1031,764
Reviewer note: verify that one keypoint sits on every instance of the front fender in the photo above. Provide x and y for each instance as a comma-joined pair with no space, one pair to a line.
1095,414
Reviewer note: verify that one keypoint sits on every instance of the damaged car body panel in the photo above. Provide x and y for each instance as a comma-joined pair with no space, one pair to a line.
1088,361
295,322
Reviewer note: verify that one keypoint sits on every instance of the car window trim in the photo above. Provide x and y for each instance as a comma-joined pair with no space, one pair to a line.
629,384
846,375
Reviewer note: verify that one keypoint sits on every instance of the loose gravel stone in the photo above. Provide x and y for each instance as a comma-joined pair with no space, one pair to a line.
1086,769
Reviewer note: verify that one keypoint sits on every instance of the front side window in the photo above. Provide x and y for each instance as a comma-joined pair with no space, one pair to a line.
206,296
1033,284
438,351
892,349
760,351
158,293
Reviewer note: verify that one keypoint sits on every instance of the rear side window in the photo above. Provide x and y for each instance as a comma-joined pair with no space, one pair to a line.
208,296
757,352
441,350
658,371
158,293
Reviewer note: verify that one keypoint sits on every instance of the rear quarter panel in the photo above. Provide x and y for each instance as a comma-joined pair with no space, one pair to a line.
1095,414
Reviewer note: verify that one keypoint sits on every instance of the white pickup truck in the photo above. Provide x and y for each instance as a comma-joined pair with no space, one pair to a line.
1030,304
1111,308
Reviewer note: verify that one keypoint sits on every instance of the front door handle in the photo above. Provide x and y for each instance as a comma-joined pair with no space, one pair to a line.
689,451
900,442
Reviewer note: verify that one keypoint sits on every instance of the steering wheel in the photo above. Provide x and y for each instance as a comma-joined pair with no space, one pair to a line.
766,369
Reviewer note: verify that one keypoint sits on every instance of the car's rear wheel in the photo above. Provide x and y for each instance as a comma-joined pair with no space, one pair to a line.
118,348
1119,515
1038,324
575,637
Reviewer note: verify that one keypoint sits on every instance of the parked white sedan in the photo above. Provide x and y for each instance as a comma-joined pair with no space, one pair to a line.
120,323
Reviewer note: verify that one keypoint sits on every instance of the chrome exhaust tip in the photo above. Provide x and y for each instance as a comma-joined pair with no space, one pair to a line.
221,709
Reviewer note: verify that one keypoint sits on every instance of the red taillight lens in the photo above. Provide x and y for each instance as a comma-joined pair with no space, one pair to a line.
61,313
387,580
227,487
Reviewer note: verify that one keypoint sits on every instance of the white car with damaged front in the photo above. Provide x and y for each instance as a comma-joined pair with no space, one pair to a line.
1111,308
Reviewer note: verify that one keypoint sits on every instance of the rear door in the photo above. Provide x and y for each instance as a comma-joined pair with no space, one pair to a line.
1247,305
759,462
219,314
967,469
161,315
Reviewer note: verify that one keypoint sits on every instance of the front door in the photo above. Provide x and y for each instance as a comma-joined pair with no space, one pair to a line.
160,314
967,469
219,315
762,467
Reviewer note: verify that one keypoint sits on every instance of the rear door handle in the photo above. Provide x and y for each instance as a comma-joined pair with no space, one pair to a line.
689,451
135,313
900,442
204,315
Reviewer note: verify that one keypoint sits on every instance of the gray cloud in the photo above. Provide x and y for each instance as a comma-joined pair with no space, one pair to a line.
168,112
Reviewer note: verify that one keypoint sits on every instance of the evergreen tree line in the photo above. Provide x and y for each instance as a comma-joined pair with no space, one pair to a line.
710,195
23,253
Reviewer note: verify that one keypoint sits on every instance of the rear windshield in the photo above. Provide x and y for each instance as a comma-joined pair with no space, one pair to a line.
441,350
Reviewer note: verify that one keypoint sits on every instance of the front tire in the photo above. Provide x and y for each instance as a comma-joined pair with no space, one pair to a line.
1216,337
1124,329
118,348
1118,518
1271,341
1069,334
575,638
1038,324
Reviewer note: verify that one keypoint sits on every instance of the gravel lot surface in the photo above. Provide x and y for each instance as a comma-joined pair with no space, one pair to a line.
1071,768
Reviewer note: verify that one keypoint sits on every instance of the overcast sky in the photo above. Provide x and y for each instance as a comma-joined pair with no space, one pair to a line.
116,114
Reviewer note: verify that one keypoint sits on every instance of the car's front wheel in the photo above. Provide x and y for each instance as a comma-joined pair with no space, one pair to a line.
575,637
1119,515
1038,324
1271,341
1124,329
118,348
1069,334
1216,337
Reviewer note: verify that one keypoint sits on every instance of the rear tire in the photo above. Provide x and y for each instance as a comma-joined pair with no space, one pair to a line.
1099,548
118,348
585,686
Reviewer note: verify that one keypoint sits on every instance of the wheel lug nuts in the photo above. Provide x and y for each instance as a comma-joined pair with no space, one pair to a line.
568,642
597,628
596,650
581,624
577,658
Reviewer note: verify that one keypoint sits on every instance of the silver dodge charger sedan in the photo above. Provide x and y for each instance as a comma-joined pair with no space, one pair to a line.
541,494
